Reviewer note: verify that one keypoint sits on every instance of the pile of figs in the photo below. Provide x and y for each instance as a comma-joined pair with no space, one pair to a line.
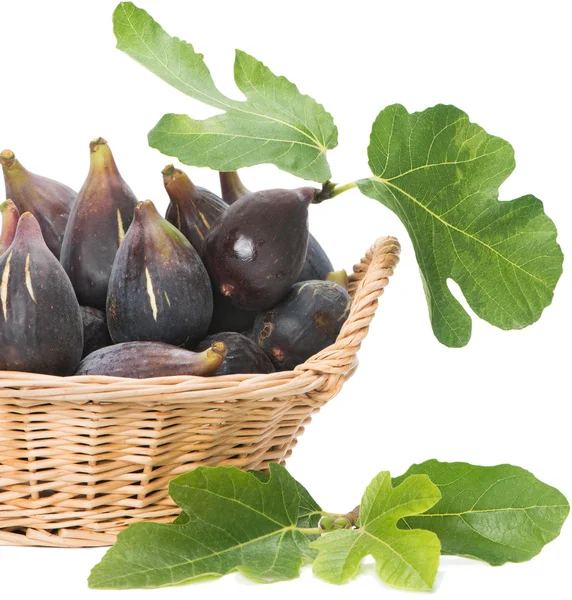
98,283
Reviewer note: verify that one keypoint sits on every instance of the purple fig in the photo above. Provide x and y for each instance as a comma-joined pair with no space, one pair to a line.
159,289
10,216
231,186
305,322
256,249
317,264
40,321
140,360
193,210
100,217
49,201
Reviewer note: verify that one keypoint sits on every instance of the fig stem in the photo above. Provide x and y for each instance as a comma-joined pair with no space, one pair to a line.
330,190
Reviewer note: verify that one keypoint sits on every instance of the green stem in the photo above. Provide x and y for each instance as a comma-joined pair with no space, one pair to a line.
340,189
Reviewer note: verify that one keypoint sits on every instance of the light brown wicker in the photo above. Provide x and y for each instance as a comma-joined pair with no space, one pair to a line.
82,457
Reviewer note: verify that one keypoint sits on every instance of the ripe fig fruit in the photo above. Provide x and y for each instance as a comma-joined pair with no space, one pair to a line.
99,219
8,224
159,289
256,249
49,201
231,186
40,320
140,360
193,210
95,331
308,320
227,317
317,264
242,354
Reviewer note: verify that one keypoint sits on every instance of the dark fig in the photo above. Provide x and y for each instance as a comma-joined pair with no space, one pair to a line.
308,320
8,224
49,201
140,360
193,210
227,317
159,289
242,354
256,249
40,320
231,186
99,219
317,264
95,331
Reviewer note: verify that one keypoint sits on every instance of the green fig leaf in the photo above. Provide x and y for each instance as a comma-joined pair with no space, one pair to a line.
440,174
407,561
234,522
496,514
275,124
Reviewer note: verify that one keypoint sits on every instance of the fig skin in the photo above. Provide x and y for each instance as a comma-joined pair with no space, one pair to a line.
97,224
193,210
95,331
227,317
252,256
40,321
316,265
140,360
8,224
159,289
48,200
242,354
307,321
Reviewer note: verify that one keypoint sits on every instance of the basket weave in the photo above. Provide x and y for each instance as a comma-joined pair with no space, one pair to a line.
83,457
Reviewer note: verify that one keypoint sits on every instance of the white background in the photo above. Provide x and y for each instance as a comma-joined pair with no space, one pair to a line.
505,397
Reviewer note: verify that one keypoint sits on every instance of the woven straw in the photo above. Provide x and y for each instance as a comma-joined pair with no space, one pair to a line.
83,457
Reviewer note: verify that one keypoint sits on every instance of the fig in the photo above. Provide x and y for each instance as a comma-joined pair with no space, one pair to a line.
140,360
256,249
48,200
317,264
97,224
231,186
95,331
40,321
192,210
308,320
10,216
242,354
159,289
227,317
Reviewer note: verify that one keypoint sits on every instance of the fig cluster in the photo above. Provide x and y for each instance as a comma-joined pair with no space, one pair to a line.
99,283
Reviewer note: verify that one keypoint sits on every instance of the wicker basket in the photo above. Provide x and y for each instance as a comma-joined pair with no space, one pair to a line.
83,457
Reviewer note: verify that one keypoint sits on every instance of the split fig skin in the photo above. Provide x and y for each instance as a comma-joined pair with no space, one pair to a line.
141,360
97,224
242,354
308,320
256,249
9,216
193,210
41,329
48,200
159,289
